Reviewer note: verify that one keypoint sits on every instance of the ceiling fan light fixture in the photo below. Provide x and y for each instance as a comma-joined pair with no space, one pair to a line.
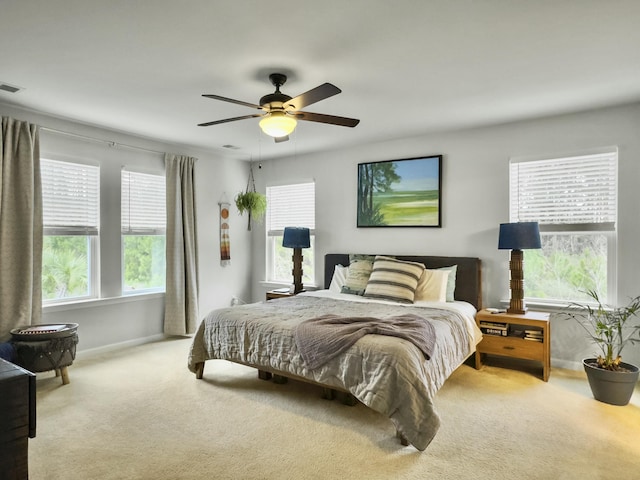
278,124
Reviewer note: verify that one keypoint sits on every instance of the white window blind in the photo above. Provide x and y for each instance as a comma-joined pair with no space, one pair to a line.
566,194
70,198
290,206
143,205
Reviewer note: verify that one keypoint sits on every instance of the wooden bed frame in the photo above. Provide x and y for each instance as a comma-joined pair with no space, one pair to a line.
468,289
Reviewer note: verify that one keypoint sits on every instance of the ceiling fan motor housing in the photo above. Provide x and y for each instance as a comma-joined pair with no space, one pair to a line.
276,99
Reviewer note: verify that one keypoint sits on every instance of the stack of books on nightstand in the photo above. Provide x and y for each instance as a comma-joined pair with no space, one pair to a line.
535,335
494,328
517,331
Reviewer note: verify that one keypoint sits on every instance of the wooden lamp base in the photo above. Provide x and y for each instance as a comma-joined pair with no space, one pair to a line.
516,283
297,270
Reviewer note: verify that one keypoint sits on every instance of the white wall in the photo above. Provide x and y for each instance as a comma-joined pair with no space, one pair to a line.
475,200
124,320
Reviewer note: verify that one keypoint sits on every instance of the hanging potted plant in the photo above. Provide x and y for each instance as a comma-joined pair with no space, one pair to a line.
611,380
250,201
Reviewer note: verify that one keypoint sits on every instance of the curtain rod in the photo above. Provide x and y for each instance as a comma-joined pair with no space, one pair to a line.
99,140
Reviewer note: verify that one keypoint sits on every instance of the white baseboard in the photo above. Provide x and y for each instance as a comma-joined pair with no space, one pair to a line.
93,352
568,364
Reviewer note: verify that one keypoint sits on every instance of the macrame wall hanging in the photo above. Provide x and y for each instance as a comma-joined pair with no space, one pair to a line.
225,244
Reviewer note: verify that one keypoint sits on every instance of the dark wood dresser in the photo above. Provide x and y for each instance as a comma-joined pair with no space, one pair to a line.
17,420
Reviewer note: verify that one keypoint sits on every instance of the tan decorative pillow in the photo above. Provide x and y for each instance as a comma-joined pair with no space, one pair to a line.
393,279
432,286
357,277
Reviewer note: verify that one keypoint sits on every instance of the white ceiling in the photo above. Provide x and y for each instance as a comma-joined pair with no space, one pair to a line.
405,67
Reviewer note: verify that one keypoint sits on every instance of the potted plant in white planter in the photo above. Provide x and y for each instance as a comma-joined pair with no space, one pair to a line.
611,380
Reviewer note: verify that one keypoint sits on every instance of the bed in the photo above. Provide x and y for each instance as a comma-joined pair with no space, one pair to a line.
391,375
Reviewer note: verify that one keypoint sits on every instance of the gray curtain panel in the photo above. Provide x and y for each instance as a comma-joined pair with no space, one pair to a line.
181,296
20,226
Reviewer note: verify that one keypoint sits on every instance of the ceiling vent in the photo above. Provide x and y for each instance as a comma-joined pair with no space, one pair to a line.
5,87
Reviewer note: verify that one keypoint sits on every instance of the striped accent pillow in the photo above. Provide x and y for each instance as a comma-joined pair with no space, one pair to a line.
393,279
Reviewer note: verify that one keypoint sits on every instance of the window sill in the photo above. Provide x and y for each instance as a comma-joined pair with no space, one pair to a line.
99,302
540,306
276,284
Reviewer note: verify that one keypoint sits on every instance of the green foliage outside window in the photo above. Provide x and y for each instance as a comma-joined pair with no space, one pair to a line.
566,267
144,262
65,266
283,262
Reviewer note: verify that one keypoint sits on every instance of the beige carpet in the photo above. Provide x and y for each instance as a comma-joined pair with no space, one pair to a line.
140,414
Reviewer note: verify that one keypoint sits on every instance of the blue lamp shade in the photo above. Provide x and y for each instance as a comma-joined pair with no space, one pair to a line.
296,237
519,236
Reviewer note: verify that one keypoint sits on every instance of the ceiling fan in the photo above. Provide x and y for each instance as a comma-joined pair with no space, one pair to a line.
281,112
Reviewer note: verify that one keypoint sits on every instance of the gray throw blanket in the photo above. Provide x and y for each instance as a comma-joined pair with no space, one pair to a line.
322,338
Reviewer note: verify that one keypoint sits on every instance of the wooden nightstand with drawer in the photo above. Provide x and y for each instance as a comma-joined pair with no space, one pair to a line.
526,336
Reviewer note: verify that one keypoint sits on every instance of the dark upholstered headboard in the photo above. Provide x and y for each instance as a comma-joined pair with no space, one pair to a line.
468,278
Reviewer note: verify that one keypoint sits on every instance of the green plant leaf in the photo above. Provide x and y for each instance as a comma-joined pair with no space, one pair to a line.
254,203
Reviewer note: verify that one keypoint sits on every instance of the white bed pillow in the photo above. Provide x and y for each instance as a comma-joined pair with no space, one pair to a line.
432,286
451,283
393,279
339,278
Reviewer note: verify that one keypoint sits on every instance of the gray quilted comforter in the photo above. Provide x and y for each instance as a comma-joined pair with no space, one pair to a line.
388,374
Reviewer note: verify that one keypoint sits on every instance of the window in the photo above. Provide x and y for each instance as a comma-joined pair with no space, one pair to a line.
574,200
143,211
289,206
70,211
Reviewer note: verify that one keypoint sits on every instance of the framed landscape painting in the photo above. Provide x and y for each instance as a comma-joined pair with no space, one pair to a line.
400,193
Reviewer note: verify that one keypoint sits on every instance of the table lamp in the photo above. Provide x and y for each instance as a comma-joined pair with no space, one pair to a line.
517,237
296,238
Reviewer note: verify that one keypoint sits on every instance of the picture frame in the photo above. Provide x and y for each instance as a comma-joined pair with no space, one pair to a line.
400,193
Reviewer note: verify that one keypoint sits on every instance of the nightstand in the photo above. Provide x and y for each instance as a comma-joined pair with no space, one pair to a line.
271,294
526,336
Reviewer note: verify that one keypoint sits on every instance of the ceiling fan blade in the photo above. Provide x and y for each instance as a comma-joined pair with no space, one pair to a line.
227,120
314,95
231,100
331,119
